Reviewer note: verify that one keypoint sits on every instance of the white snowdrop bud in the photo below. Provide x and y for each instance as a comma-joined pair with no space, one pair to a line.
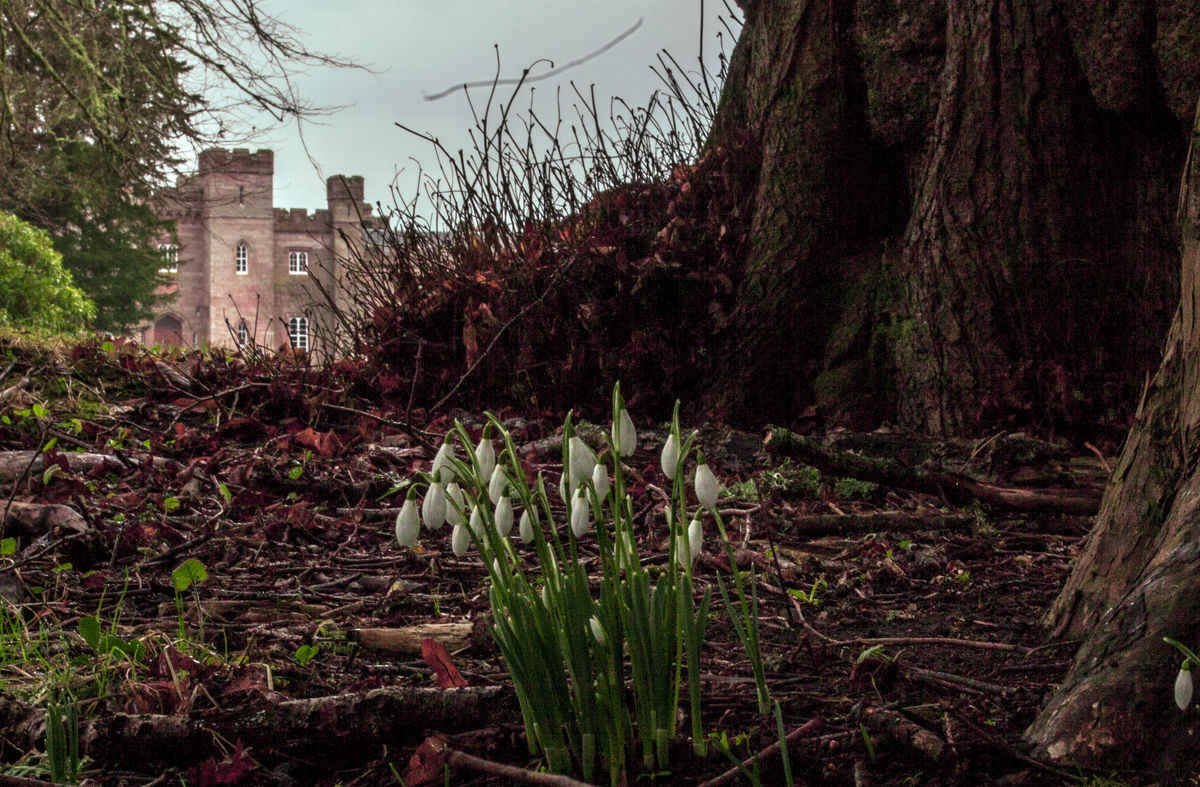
597,630
442,471
408,523
433,507
460,540
525,527
1183,686
455,504
496,566
476,522
580,513
504,516
496,483
707,487
624,435
683,550
582,460
485,455
600,480
564,487
695,538
670,455
546,596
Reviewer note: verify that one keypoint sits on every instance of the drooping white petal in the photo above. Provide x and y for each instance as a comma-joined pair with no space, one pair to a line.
624,434
683,550
600,480
476,522
408,523
433,507
597,630
455,504
564,487
460,540
1183,688
442,471
582,460
580,513
504,516
496,483
525,527
485,455
695,538
670,455
707,487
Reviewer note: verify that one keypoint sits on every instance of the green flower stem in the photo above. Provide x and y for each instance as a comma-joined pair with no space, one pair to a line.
745,618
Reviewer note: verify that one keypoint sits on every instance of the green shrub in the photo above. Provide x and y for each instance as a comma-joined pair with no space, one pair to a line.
36,291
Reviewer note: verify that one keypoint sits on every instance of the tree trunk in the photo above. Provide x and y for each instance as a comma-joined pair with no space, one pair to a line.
964,207
1136,579
1026,254
794,85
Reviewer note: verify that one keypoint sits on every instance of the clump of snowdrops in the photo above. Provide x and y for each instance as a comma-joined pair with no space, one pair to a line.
570,646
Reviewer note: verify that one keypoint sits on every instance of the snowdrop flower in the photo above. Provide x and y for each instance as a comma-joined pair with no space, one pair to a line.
454,503
580,513
442,471
485,455
670,455
408,524
597,630
582,460
525,527
624,435
683,551
504,516
496,483
564,488
600,480
460,540
476,522
707,487
433,507
1183,686
695,538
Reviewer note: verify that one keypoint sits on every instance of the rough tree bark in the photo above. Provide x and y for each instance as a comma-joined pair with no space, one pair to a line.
1135,581
794,85
965,206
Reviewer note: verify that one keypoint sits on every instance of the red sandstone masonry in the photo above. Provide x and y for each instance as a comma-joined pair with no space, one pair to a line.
227,203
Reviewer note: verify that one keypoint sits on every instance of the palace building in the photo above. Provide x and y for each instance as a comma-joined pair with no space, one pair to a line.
245,271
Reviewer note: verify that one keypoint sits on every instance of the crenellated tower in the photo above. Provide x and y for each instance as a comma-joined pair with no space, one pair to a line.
245,267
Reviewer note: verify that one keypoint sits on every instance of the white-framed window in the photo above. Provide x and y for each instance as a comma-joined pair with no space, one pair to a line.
298,332
243,335
297,262
242,259
170,257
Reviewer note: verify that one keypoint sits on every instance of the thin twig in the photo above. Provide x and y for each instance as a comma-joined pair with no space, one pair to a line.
460,759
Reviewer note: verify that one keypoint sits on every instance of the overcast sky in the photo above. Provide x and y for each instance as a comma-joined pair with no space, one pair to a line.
416,48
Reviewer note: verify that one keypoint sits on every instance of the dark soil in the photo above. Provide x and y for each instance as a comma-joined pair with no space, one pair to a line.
902,632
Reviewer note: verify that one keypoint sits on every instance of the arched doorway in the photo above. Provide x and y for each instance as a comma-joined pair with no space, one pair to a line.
168,331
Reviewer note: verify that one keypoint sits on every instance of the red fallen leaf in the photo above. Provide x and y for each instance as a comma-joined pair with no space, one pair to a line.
438,659
228,771
428,763
324,443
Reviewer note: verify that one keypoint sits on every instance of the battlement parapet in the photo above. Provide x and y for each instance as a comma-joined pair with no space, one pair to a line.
343,187
300,220
238,160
